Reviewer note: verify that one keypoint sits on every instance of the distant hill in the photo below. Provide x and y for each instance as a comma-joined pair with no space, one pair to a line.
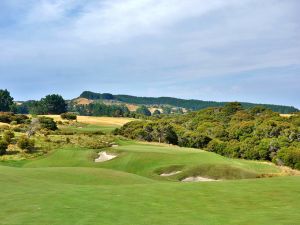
190,104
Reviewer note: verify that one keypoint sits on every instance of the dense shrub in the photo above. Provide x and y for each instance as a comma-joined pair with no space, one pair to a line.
8,136
217,147
143,110
257,133
7,117
26,143
3,147
47,123
290,157
68,116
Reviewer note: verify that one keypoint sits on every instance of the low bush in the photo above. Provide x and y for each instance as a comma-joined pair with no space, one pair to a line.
26,143
4,127
290,157
8,136
3,147
47,123
68,116
7,117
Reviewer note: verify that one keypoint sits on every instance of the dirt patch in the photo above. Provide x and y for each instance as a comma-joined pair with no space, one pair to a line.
197,179
104,156
286,115
83,101
170,173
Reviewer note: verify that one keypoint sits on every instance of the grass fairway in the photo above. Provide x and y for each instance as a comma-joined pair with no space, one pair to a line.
67,187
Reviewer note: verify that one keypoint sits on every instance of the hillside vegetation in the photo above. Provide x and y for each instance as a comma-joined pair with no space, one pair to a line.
176,102
256,133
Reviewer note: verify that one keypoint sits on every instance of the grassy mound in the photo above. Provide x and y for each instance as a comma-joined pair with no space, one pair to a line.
67,187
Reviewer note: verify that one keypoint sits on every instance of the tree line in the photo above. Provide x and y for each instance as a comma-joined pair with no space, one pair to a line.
191,104
55,104
257,133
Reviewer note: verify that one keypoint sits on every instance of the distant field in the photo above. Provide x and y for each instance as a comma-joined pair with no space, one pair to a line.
101,121
286,115
93,124
67,187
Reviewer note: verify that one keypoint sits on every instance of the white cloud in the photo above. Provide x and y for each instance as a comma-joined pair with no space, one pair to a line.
164,41
119,20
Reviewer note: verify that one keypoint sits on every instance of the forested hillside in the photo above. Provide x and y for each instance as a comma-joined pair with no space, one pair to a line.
188,104
256,133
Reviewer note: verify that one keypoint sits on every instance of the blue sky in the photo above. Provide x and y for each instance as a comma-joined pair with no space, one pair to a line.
221,50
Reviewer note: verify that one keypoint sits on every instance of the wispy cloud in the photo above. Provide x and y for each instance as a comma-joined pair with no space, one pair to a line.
161,42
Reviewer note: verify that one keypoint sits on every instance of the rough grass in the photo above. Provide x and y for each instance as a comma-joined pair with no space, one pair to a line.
218,172
169,169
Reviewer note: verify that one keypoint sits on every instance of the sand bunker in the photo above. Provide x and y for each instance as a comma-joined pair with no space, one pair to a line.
198,179
104,156
170,174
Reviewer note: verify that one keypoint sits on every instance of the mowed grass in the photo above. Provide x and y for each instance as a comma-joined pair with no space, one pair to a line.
147,160
89,128
67,187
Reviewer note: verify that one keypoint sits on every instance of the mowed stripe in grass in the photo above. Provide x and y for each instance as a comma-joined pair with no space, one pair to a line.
68,187
264,201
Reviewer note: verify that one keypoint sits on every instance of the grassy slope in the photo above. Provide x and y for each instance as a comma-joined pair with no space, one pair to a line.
145,160
66,187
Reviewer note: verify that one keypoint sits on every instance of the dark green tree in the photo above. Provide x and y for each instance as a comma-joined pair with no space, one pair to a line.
156,112
54,104
232,107
6,101
143,110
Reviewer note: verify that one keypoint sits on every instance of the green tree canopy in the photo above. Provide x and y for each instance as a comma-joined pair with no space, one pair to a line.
6,101
143,110
54,104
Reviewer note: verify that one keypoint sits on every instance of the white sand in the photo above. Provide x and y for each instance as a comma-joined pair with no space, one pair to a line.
198,179
170,174
104,156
